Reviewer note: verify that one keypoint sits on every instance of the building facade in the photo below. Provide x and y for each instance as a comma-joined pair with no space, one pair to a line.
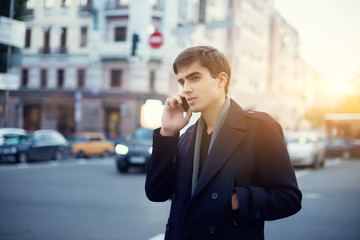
82,71
88,65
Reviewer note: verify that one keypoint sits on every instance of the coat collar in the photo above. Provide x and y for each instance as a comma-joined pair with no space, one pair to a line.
229,138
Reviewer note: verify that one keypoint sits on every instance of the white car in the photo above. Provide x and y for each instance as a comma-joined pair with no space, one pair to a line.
305,149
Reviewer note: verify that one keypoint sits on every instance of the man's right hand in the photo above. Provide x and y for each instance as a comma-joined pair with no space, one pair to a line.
173,119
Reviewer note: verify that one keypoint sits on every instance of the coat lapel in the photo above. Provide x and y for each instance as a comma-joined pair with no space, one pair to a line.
186,163
229,138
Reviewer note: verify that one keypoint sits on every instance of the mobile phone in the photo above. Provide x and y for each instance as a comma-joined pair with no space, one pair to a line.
184,104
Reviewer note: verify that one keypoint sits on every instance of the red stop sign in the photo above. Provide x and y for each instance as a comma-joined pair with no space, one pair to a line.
156,40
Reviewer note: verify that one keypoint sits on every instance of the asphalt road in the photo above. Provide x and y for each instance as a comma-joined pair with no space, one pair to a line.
88,199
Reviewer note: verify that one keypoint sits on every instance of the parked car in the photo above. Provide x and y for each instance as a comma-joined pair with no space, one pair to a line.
40,145
341,147
7,131
305,149
85,144
136,152
11,140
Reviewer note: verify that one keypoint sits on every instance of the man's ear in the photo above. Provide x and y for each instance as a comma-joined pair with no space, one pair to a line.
222,79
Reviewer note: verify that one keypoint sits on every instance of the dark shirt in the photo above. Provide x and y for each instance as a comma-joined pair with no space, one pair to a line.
206,138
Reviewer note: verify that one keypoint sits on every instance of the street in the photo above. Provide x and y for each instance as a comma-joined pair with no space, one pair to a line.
88,199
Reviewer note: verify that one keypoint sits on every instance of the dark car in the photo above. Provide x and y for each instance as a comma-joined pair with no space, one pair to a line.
136,152
340,147
40,145
11,140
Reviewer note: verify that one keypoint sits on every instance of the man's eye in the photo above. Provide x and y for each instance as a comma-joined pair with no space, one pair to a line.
196,78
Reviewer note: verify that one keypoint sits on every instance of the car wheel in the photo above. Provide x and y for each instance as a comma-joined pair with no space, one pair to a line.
80,154
58,156
346,155
316,163
322,163
23,158
122,167
106,154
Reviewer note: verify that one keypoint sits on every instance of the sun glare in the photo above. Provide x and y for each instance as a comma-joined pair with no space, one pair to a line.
339,88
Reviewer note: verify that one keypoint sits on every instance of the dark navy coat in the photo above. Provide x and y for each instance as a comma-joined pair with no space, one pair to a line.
248,157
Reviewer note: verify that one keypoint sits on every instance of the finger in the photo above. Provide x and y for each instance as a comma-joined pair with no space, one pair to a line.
168,102
188,115
172,102
178,99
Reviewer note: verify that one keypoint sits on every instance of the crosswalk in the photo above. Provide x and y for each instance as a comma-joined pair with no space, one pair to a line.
51,164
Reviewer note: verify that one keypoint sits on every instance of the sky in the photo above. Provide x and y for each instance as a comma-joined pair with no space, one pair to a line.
329,33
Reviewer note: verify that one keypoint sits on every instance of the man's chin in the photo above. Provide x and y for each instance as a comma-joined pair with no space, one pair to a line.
195,109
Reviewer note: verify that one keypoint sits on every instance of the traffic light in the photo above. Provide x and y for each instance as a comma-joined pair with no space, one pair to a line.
135,40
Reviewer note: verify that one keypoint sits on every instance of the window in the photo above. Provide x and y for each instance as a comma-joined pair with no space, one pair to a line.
49,4
43,78
30,4
152,80
120,34
65,3
81,78
202,11
46,41
28,38
24,78
63,40
60,78
86,3
83,36
116,78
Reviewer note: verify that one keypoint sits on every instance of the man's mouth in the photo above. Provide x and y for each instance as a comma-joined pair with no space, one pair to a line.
191,100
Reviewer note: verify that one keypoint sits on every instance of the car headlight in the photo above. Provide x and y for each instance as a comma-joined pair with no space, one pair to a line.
121,149
13,150
150,150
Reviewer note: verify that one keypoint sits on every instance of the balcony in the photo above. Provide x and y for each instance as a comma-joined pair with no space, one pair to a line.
62,50
86,10
114,9
44,50
111,5
29,14
113,50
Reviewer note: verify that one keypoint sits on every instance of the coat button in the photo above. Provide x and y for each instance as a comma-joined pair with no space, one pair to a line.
211,229
167,227
214,195
173,197
251,112
258,214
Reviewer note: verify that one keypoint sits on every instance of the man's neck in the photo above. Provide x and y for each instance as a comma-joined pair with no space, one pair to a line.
211,115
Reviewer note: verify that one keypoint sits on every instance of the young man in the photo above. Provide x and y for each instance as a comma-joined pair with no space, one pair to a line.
227,173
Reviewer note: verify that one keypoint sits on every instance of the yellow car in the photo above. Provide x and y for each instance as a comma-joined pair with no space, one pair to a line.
85,144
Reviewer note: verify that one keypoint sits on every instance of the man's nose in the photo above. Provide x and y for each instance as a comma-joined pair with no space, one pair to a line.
187,88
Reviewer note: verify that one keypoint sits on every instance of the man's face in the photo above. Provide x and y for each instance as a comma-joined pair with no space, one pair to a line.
202,91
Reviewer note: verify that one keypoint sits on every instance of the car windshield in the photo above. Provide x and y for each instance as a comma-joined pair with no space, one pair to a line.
143,134
13,139
49,137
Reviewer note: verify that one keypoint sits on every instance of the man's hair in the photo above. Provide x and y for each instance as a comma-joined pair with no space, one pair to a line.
209,57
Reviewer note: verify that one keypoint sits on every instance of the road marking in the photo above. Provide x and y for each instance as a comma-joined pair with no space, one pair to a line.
93,162
160,236
332,162
302,173
311,196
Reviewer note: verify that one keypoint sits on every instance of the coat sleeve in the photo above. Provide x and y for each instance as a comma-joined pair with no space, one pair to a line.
275,193
161,169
